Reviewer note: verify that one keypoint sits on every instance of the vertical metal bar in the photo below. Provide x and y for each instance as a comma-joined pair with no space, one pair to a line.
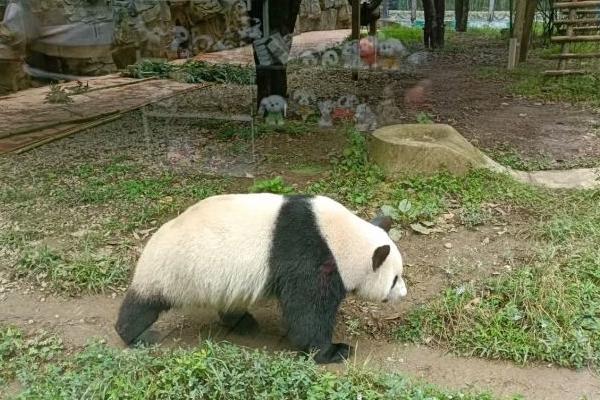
356,32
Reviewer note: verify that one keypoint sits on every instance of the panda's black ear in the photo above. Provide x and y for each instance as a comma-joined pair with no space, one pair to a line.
383,221
380,255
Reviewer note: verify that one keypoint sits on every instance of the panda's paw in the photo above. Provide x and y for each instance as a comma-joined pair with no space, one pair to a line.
335,353
239,323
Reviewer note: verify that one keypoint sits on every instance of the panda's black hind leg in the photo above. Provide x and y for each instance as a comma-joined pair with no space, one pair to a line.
137,314
241,323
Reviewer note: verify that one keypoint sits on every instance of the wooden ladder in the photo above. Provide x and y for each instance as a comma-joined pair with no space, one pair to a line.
582,24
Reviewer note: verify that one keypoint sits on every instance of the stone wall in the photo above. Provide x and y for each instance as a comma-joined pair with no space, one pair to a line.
323,15
96,37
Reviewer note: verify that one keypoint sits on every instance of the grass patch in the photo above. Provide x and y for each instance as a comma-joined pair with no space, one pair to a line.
421,198
409,36
83,272
509,157
19,353
210,371
544,311
353,179
528,81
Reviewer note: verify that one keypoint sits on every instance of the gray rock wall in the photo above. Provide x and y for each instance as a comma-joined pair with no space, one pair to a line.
96,37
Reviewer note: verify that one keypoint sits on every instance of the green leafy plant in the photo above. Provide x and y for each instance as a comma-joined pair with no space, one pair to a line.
424,118
275,185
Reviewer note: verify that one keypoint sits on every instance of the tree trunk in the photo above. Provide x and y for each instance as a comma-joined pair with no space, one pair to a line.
429,11
434,30
440,26
461,11
272,79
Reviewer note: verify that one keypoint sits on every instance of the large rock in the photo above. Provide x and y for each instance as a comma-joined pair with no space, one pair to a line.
426,149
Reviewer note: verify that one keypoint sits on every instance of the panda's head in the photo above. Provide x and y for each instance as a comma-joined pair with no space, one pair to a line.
384,283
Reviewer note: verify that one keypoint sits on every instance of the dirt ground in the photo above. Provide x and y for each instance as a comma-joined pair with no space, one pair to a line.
483,112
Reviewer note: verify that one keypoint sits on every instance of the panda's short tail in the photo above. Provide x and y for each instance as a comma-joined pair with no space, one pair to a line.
137,314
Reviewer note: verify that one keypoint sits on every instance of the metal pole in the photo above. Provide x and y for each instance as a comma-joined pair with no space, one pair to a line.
266,23
356,32
413,11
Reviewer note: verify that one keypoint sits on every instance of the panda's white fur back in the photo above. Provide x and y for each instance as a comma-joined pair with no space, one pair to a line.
217,252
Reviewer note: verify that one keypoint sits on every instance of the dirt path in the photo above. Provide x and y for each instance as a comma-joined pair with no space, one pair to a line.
78,320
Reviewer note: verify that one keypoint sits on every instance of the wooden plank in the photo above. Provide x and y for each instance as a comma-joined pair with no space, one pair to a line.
566,72
577,4
578,21
566,46
569,56
586,28
513,48
570,39
581,11
201,115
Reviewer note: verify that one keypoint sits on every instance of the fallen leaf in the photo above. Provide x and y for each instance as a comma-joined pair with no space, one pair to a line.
420,229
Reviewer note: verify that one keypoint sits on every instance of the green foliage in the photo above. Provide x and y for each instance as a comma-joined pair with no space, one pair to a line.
545,310
210,371
193,72
85,272
275,185
200,71
354,179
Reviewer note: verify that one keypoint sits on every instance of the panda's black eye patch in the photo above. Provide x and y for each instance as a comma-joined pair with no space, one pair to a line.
395,280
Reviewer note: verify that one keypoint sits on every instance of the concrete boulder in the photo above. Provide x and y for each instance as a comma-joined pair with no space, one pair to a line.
426,149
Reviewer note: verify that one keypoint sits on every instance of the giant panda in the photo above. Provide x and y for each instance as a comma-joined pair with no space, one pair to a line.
228,251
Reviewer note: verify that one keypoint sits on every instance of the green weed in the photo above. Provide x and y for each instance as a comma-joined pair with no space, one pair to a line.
353,179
